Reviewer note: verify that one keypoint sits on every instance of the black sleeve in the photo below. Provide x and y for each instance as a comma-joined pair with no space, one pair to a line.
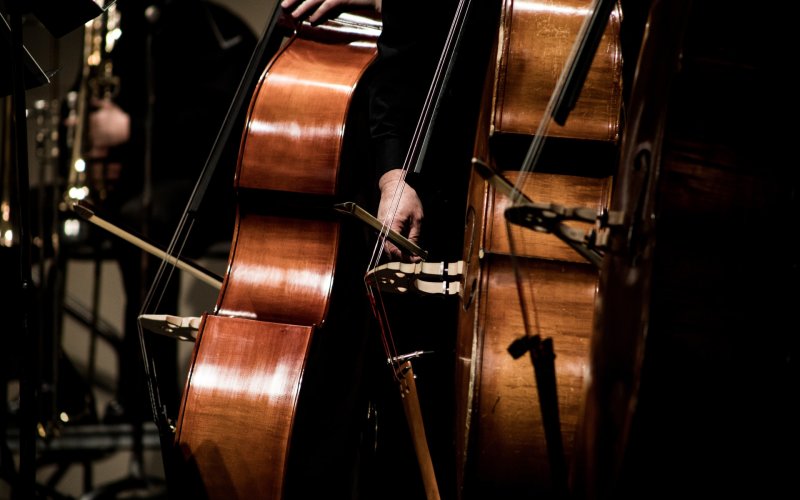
408,50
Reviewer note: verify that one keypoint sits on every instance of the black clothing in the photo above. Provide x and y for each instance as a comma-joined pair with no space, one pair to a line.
409,48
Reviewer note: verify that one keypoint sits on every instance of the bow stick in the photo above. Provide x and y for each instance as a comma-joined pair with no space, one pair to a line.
86,212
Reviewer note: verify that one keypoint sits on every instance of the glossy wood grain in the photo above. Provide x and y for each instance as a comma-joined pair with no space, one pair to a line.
504,444
280,269
294,134
239,414
236,421
509,450
566,190
537,37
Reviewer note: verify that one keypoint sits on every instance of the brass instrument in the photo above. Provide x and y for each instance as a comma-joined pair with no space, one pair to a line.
98,82
8,227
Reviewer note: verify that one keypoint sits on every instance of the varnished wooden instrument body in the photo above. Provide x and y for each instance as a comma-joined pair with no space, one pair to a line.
693,378
238,416
501,449
535,40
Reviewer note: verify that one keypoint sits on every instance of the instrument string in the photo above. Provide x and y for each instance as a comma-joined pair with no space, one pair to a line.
239,102
414,158
422,132
557,99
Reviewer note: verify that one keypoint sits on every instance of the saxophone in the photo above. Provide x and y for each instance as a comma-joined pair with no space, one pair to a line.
86,179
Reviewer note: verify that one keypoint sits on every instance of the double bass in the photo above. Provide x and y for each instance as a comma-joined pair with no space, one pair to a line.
526,292
515,424
694,356
269,409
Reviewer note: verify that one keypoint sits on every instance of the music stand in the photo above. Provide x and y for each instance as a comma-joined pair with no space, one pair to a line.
34,75
63,16
59,17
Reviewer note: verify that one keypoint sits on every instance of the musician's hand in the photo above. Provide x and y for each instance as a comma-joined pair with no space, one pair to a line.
109,126
404,213
316,10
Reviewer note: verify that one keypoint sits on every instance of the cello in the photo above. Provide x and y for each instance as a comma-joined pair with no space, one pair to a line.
272,364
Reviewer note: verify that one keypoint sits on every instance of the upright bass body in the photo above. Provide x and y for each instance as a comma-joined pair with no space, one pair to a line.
247,413
516,438
694,356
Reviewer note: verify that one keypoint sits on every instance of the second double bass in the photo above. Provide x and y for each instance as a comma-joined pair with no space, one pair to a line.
528,293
